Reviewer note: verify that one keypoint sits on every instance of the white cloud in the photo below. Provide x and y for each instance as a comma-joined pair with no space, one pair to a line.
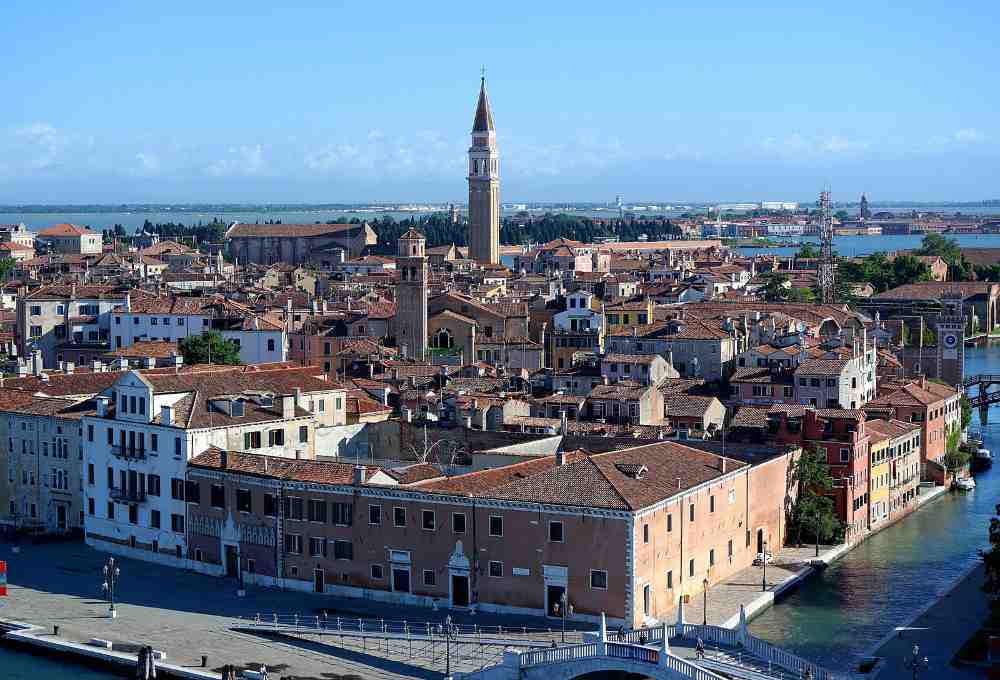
245,160
422,154
798,145
44,143
969,136
147,163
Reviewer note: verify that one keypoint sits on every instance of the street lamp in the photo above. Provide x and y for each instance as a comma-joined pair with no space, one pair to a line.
111,573
704,619
448,632
763,561
563,609
916,663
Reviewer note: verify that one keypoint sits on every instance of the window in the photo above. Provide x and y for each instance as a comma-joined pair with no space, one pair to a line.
458,523
275,437
154,442
90,473
691,512
293,544
375,515
429,578
342,514
153,485
111,436
670,522
377,572
244,500
316,510
691,568
154,519
322,405
176,487
251,440
343,550
177,523
177,446
111,510
218,496
317,547
496,525
730,549
670,580
711,557
270,344
598,579
556,532
303,434
399,517
90,506
428,520
270,505
845,455
496,569
711,503
293,508
645,533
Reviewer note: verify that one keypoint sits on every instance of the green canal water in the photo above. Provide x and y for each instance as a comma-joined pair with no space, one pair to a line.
837,617
834,618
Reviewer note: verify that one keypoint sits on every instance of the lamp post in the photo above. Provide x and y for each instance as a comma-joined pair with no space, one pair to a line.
704,618
916,663
763,561
563,609
111,573
448,632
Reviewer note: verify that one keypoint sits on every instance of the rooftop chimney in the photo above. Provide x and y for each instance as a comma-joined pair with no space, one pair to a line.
166,415
223,459
121,363
102,406
149,362
36,362
68,367
96,366
560,458
563,425
722,464
360,473
287,406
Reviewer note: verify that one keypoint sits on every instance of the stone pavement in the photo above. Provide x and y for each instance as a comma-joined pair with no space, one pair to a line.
947,624
186,615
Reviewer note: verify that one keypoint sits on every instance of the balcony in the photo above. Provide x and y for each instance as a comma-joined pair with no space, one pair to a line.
128,452
127,495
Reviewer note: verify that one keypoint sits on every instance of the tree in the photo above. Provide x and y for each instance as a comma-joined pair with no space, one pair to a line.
819,517
209,348
991,560
936,244
6,267
966,407
775,287
808,251
955,458
813,510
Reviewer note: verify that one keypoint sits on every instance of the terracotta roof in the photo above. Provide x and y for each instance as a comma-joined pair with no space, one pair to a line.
62,385
321,472
64,229
288,230
146,348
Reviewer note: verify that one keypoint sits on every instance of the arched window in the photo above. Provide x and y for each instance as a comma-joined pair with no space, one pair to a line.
442,339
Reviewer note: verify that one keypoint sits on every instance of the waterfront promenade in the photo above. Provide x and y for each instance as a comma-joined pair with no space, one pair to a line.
940,630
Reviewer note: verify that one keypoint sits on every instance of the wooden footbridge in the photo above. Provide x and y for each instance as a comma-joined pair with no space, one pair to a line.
983,396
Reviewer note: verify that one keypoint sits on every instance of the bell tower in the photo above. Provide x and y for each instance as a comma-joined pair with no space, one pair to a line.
411,294
484,185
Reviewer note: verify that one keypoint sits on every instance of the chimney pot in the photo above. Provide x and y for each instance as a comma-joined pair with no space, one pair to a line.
560,458
224,459
360,474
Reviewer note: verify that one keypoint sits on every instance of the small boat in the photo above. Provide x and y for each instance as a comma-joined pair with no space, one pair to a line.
983,456
965,484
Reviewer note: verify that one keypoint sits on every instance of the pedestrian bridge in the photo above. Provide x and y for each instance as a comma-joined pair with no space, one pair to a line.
663,653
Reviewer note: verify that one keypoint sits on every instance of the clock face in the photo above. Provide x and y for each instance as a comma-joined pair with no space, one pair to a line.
950,340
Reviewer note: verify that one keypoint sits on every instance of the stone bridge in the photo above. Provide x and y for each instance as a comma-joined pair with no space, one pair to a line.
664,653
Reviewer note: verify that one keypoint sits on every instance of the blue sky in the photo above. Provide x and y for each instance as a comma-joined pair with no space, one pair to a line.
344,102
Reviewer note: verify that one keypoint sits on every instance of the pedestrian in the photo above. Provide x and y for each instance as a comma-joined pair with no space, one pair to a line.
699,649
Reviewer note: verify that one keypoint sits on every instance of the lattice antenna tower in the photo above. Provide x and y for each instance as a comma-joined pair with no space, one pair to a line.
827,266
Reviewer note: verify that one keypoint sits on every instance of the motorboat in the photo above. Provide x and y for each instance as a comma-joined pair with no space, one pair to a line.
983,456
965,484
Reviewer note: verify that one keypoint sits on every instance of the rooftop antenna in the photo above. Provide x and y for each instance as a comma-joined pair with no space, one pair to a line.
827,266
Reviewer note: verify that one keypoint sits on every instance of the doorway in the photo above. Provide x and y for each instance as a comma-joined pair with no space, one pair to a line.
319,580
553,600
401,579
459,590
61,517
232,562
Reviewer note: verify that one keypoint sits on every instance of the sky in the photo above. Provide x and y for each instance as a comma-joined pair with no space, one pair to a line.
184,102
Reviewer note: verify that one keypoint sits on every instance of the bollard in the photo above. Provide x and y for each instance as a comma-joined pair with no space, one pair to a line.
204,661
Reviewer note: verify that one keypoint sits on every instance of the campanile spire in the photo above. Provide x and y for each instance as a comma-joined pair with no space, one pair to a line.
484,184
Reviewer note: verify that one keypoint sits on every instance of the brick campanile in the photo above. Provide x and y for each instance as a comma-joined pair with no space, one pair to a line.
484,185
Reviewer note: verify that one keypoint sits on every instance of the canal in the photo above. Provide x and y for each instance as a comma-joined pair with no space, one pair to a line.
839,615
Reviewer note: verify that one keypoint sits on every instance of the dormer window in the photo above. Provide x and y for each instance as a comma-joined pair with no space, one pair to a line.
236,406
